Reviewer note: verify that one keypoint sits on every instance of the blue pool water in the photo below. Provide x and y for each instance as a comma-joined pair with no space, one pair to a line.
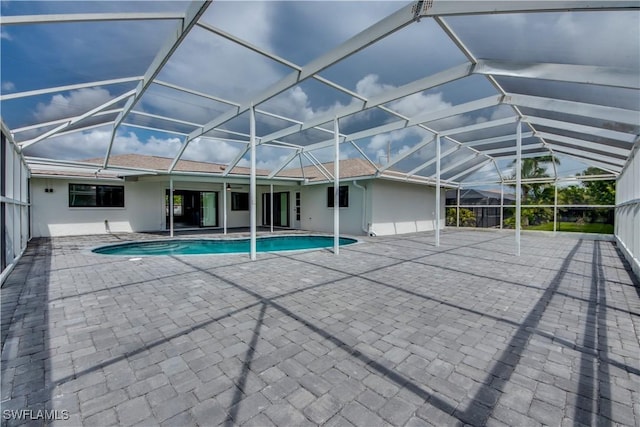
220,246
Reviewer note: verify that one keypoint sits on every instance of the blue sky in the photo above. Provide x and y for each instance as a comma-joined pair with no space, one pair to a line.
57,54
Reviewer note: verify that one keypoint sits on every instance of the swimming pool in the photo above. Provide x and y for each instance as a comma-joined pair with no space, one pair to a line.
220,246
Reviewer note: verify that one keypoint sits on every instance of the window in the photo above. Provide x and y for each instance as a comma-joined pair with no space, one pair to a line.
239,201
297,206
96,196
343,197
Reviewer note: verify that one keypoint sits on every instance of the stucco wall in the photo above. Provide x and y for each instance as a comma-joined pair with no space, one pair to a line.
399,208
52,216
316,216
144,206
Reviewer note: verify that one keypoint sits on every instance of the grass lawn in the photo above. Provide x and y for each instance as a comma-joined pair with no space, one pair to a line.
575,227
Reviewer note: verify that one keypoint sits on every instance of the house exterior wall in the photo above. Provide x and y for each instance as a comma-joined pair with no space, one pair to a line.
391,207
52,216
144,208
264,189
399,208
627,220
316,216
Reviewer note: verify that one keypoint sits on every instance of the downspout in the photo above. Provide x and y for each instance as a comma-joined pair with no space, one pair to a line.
365,226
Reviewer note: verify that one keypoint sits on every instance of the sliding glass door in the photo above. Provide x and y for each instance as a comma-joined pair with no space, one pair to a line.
280,209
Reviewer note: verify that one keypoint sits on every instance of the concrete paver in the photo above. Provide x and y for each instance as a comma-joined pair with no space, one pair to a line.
394,331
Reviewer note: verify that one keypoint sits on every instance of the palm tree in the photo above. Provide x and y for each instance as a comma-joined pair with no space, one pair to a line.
533,193
534,167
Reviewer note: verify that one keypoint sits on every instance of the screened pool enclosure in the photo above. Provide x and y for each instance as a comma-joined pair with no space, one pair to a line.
450,94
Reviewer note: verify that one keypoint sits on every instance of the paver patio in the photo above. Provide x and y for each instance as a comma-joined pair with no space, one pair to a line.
393,331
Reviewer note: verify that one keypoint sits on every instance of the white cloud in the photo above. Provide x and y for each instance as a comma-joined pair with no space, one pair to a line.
8,86
370,86
206,150
417,103
94,143
77,102
75,146
4,35
211,64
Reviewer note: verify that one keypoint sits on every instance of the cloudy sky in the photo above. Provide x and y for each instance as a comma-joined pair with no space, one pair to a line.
50,55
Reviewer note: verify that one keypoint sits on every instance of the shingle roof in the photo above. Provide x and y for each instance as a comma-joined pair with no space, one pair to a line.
349,168
158,163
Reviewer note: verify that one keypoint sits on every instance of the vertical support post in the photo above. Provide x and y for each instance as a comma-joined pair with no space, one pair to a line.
252,182
518,183
437,190
170,206
501,205
458,209
224,207
555,205
271,213
336,188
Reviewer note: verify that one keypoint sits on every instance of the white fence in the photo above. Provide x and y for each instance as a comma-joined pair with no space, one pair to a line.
627,228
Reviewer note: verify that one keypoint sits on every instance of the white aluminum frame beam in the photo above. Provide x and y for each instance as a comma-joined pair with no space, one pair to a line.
407,153
64,120
195,92
36,92
438,172
233,162
76,119
168,119
470,170
617,115
605,150
604,166
195,10
588,155
452,8
480,126
432,161
458,163
525,155
518,183
170,206
230,103
418,119
365,156
89,17
509,149
587,74
467,52
495,140
383,28
84,128
252,184
417,86
578,128
336,188
283,164
224,207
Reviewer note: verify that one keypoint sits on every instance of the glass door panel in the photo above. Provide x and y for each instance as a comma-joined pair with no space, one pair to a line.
208,209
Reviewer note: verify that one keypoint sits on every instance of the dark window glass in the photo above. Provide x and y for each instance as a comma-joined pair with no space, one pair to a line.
239,201
343,198
96,196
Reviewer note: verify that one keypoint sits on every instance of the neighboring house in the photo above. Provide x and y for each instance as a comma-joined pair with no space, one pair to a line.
485,204
133,195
